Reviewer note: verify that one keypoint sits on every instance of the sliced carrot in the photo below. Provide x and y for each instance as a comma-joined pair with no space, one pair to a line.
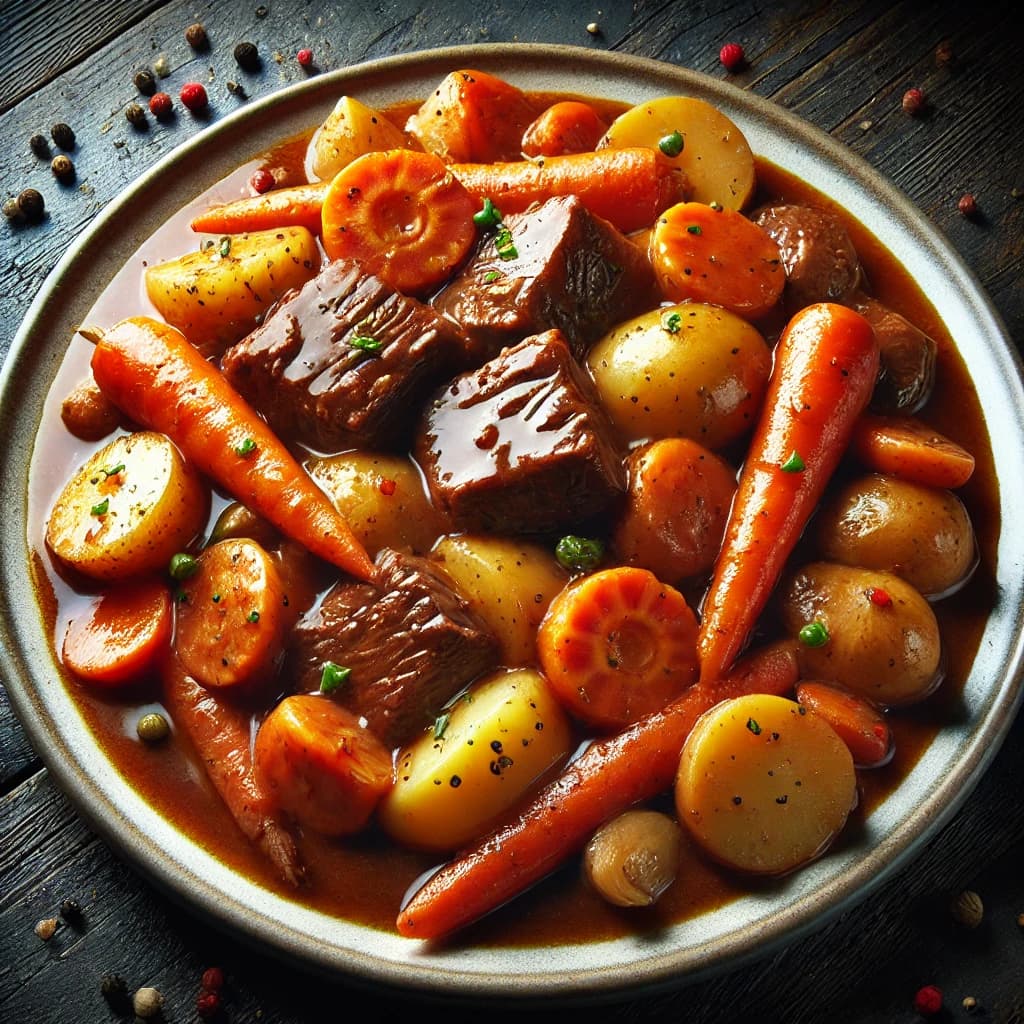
317,763
627,187
825,368
905,447
858,723
566,127
122,636
716,255
151,372
403,216
221,735
472,116
298,206
608,777
230,629
618,645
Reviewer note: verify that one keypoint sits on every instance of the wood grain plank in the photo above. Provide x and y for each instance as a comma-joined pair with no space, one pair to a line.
17,758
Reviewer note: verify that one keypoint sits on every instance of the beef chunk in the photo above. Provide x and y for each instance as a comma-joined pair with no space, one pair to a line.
313,378
411,642
521,445
573,271
818,254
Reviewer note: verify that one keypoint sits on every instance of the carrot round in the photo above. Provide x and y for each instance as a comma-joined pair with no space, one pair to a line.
627,187
284,207
711,254
617,645
569,126
610,776
825,368
151,372
402,215
907,448
123,634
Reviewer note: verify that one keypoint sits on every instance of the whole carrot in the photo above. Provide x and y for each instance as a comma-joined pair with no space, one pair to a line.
151,372
610,776
826,364
284,207
627,187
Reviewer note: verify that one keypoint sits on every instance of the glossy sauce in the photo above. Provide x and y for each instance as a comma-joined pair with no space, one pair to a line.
365,878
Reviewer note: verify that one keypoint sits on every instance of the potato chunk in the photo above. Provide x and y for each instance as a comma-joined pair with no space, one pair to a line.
764,785
351,129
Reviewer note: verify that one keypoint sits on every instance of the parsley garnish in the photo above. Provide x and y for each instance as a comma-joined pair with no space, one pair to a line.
246,448
333,676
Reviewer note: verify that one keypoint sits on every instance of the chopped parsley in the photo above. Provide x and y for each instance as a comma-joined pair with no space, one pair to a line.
102,508
671,322
367,343
579,554
333,676
246,448
488,217
794,464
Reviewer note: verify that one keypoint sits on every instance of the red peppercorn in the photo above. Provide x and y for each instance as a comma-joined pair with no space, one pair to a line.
913,101
160,105
208,1004
928,1001
305,57
262,181
387,487
968,205
732,57
213,979
193,95
880,597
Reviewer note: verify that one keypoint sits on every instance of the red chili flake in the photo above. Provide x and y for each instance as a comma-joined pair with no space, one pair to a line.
928,1001
732,56
305,57
161,105
193,95
913,101
968,205
262,181
880,597
387,487
213,979
208,1004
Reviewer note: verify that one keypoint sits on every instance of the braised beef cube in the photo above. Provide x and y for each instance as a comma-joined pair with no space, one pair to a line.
411,642
345,360
571,270
521,445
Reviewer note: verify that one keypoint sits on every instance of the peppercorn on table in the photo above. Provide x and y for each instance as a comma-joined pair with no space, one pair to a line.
93,95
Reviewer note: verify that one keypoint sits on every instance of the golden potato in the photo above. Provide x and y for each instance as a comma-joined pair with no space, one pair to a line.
764,786
871,632
509,583
129,508
215,295
382,497
489,748
690,370
715,155
351,129
922,534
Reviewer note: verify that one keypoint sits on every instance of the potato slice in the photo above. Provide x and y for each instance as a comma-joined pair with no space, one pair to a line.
128,509
351,129
715,157
485,753
764,785
215,295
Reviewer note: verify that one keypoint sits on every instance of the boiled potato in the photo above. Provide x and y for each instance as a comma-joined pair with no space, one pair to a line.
383,499
215,295
481,757
351,129
508,583
690,370
715,157
764,785
922,534
877,635
132,506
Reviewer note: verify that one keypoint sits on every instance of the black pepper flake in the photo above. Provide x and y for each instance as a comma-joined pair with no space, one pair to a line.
782,799
496,746
737,800
455,782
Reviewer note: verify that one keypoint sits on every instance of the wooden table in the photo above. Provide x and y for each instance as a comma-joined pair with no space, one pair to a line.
844,67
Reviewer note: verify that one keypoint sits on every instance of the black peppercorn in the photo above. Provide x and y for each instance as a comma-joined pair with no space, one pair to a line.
115,991
195,36
62,167
39,145
71,911
135,114
262,11
145,81
63,135
247,56
31,204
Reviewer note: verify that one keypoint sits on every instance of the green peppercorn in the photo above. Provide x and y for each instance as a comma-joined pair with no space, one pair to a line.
39,145
145,81
182,566
814,634
12,211
247,56
31,205
153,728
62,167
135,114
195,36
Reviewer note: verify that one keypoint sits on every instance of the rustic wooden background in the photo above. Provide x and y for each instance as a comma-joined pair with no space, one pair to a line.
841,65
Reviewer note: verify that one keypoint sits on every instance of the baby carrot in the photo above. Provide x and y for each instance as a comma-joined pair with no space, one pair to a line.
627,187
151,372
282,208
905,447
826,364
608,777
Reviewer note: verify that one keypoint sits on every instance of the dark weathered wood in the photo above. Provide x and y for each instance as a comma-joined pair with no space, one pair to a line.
843,66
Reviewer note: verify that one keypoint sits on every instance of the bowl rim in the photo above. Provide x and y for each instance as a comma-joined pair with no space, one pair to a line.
750,928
